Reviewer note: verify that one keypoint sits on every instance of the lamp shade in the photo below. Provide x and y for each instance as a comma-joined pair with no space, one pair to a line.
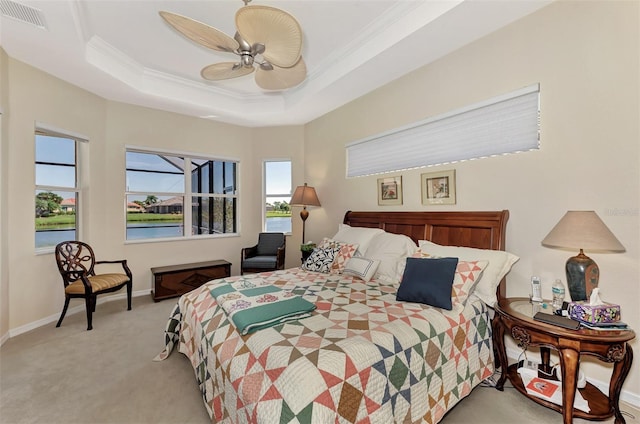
305,196
582,230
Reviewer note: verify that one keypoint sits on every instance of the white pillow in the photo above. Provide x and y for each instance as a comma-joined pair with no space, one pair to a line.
500,263
361,267
356,235
391,250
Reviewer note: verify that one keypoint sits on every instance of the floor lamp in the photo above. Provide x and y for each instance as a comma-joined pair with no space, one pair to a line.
304,196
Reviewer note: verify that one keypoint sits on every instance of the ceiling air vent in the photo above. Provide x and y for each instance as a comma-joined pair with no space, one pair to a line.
21,12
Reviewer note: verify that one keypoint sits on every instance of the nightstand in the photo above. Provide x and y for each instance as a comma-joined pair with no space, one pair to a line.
514,316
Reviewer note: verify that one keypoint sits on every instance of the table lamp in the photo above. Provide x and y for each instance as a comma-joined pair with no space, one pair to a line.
582,230
304,196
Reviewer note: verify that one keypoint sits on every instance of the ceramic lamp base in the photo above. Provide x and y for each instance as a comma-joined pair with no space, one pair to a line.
582,276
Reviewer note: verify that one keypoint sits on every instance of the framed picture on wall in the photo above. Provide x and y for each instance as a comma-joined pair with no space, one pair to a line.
439,188
390,191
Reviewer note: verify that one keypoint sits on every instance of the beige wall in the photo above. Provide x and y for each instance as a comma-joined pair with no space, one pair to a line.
4,169
280,143
33,285
37,97
585,56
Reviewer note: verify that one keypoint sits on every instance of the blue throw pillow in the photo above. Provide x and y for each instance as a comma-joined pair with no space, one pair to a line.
428,281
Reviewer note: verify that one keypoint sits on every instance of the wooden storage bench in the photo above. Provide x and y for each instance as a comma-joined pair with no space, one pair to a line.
176,280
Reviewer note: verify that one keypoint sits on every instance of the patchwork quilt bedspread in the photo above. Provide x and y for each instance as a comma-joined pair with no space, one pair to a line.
361,357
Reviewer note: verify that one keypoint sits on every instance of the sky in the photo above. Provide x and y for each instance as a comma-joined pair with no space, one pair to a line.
278,180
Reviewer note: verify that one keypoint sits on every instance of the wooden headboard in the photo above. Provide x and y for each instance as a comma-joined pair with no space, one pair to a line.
482,230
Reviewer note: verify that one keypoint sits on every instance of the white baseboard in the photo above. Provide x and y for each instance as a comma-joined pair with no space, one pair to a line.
54,318
625,396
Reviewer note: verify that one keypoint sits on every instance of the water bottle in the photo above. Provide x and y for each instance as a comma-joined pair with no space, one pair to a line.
557,289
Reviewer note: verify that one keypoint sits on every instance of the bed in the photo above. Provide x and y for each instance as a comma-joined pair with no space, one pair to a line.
360,356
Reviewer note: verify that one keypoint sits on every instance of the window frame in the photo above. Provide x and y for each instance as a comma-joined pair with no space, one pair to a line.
187,194
266,195
79,141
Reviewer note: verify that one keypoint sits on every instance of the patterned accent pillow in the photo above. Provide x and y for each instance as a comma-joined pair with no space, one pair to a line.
347,250
422,254
321,259
500,263
468,273
417,254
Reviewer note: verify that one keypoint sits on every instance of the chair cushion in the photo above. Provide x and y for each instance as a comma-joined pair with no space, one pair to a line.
266,262
98,283
268,243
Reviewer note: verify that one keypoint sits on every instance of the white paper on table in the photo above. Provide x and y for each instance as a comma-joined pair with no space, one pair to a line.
579,402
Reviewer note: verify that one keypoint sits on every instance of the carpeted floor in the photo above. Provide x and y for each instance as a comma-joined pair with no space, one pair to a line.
70,375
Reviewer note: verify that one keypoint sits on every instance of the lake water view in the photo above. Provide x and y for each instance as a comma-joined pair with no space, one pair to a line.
147,230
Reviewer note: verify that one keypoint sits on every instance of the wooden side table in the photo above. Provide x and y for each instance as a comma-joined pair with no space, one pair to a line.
514,316
176,280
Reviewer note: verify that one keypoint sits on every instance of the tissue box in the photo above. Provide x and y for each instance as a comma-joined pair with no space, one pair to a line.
596,314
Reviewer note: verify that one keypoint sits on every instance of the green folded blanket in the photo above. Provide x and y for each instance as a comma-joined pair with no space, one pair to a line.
253,307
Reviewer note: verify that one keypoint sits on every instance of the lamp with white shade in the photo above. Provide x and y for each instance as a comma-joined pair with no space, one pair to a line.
304,196
582,230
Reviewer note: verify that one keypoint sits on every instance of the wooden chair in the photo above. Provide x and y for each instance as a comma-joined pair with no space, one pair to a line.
267,255
76,262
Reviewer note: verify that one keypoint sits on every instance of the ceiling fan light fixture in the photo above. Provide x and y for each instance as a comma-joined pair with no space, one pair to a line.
242,43
246,60
281,78
257,48
200,33
276,29
225,70
272,33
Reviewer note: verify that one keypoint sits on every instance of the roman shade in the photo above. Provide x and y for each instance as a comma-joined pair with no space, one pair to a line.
504,124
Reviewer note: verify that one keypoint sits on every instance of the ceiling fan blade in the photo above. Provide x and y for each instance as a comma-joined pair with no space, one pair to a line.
224,70
200,33
281,78
276,29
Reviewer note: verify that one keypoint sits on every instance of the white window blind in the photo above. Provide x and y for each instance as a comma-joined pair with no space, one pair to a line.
505,124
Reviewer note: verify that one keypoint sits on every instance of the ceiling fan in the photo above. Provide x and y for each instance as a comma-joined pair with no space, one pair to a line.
268,41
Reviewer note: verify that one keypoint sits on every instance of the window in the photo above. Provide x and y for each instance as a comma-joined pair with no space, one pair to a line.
56,193
159,187
504,124
277,189
214,200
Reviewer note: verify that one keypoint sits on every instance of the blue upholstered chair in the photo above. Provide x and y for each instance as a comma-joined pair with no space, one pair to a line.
267,255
